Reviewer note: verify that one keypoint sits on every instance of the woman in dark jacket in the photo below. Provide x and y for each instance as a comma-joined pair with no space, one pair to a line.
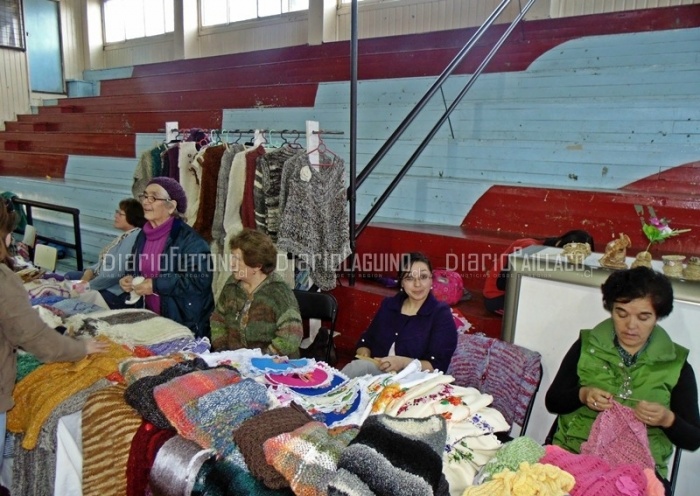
411,325
173,259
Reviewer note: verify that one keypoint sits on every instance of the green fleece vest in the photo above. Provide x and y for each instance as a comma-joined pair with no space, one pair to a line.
651,378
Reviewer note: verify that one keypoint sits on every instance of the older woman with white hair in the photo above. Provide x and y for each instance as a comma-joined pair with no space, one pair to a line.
173,261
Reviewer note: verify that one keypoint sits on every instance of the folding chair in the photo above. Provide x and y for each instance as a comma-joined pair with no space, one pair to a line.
45,257
324,307
508,372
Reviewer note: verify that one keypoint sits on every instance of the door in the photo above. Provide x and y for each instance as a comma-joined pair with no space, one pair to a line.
43,28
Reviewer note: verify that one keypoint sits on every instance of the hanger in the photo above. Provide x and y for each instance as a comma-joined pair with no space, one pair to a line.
323,151
295,145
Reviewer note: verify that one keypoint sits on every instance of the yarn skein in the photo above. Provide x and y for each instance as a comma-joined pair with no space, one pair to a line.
176,466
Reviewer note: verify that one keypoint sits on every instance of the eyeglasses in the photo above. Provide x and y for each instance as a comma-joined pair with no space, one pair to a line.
422,278
151,199
119,213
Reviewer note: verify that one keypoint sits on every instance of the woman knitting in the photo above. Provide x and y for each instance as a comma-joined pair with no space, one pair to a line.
631,360
256,308
21,326
173,260
413,324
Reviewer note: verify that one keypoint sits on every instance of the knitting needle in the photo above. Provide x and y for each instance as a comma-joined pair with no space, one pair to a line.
628,399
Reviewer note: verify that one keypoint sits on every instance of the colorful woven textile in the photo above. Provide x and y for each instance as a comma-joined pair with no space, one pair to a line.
510,373
173,396
133,369
252,433
619,438
109,425
211,419
38,394
308,456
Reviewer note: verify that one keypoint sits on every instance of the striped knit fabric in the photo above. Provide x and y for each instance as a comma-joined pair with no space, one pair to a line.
38,394
133,369
308,456
109,425
510,373
176,394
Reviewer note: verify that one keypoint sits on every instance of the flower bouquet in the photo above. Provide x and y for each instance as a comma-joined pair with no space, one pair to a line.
658,231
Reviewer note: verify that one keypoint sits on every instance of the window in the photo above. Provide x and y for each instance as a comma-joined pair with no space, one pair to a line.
227,11
130,19
11,31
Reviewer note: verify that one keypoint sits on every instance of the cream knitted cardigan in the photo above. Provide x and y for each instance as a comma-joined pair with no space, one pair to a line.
189,177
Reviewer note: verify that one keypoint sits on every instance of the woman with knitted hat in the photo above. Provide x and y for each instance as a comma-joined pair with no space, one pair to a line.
173,261
631,360
256,308
21,326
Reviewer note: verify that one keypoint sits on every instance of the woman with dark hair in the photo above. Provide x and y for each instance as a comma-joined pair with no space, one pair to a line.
111,265
629,359
497,277
21,326
413,324
173,261
256,308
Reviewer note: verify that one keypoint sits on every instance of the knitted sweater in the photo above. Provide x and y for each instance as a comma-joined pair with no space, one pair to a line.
314,226
266,194
272,318
232,212
217,226
211,163
189,177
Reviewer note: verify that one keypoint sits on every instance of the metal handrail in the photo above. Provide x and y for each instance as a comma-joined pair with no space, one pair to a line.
447,72
74,212
380,201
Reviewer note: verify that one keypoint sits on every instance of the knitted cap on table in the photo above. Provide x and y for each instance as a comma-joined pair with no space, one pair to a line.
252,433
393,456
174,190
593,474
308,456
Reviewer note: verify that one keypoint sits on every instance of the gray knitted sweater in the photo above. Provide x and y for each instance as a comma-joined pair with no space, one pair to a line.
314,224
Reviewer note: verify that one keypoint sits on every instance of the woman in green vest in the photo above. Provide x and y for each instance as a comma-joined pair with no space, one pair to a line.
629,359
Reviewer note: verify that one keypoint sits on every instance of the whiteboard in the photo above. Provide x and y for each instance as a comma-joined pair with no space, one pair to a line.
549,303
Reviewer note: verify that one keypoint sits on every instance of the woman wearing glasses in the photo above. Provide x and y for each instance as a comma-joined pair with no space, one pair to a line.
104,275
172,258
413,324
256,308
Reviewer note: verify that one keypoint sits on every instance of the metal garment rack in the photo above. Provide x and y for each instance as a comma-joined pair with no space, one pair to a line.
77,245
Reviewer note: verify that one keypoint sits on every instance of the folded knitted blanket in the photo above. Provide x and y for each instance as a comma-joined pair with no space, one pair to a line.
109,425
308,456
132,327
39,393
392,456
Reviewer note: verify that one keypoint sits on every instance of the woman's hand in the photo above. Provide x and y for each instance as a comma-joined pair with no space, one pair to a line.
654,414
594,398
393,363
94,346
145,288
126,283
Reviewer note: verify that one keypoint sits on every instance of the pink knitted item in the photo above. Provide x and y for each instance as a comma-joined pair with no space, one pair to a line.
594,476
619,438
